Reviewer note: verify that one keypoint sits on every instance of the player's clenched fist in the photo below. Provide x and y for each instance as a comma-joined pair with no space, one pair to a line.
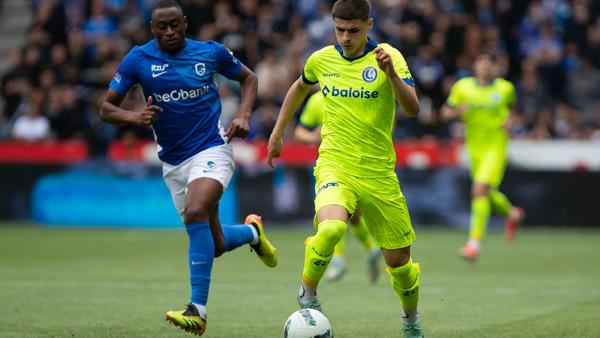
146,117
384,61
275,146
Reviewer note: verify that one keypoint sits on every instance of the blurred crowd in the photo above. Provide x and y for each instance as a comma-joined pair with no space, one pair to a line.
550,50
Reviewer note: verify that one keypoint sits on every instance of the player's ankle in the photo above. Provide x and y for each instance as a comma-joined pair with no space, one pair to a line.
254,234
474,243
201,310
307,294
410,317
514,213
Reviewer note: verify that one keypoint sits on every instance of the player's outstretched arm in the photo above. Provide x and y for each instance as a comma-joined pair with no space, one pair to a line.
405,94
239,127
294,97
111,111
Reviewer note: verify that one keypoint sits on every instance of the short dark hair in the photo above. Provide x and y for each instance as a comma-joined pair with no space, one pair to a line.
166,4
486,54
352,9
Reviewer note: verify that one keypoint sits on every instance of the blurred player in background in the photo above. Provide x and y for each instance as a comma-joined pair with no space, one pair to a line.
484,103
360,80
183,109
308,130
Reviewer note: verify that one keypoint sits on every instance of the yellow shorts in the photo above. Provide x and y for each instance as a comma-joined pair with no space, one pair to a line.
488,166
380,200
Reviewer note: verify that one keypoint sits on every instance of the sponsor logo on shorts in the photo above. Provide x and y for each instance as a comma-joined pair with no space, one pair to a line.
327,185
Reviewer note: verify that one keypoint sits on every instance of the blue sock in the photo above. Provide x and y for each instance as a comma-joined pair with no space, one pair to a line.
237,235
201,255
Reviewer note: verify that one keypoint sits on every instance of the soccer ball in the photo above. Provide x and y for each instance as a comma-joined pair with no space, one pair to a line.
307,323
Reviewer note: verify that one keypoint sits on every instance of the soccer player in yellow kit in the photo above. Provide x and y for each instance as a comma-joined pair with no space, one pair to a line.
484,103
308,130
360,80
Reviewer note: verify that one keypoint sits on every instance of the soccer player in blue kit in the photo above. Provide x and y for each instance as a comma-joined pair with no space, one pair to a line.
183,109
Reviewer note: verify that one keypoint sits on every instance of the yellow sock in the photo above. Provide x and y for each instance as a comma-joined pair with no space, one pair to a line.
405,281
319,250
500,203
340,247
480,214
361,232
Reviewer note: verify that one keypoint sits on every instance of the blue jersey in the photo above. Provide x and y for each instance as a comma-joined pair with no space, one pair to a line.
183,86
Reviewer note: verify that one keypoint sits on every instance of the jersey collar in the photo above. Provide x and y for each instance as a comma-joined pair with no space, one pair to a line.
491,83
186,43
371,44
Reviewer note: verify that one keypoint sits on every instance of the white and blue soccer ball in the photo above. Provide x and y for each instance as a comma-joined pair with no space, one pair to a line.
307,323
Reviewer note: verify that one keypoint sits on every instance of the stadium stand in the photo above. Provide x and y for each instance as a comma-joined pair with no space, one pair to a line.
549,49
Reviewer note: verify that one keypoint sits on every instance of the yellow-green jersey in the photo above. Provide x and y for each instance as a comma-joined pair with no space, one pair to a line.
312,115
358,109
488,108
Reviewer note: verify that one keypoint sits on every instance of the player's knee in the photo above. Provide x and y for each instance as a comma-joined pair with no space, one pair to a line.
480,190
332,230
398,258
196,213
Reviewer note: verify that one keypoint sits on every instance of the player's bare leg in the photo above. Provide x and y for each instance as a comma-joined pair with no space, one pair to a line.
202,198
217,231
404,275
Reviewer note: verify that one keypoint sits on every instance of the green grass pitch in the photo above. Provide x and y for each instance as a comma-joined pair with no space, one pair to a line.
119,283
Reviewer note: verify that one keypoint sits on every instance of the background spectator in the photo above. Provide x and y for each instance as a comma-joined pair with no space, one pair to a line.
32,125
550,49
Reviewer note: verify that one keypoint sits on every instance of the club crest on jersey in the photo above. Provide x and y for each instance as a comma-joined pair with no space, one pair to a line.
200,68
369,74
